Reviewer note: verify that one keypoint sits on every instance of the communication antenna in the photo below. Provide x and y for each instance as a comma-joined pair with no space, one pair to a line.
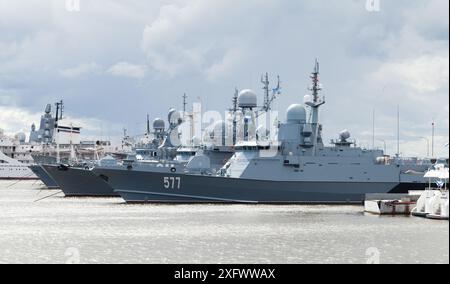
433,128
315,89
184,104
373,129
234,111
235,100
61,105
265,82
398,130
268,99
59,111
148,124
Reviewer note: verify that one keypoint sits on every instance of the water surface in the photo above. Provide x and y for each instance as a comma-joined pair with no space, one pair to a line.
105,230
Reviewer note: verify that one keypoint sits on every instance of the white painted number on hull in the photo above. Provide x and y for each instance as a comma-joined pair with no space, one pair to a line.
172,182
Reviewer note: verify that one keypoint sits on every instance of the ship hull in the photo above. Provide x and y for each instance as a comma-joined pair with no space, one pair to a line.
16,172
77,182
142,187
40,172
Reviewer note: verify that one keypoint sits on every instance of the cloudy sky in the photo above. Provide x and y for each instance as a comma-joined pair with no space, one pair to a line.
114,61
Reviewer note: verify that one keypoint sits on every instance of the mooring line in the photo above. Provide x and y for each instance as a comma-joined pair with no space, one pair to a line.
20,179
51,195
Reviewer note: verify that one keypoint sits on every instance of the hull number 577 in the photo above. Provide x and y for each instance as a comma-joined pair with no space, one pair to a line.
172,182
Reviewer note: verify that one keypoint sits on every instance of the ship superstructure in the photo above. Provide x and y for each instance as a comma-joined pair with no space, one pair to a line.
297,168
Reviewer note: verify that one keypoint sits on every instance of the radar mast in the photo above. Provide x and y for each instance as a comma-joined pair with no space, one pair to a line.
59,112
317,101
234,111
315,88
148,124
184,105
268,100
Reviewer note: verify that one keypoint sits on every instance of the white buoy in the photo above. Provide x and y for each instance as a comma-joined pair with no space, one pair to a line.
431,200
444,204
433,203
421,204
436,203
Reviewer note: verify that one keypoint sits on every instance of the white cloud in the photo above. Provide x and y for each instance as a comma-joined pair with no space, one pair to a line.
8,97
13,120
7,50
430,19
34,53
36,13
82,69
125,69
206,48
198,35
423,74
231,59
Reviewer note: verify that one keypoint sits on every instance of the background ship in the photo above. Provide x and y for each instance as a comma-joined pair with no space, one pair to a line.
55,141
298,168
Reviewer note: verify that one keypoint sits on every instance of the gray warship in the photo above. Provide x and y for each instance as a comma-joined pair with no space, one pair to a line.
77,180
298,168
157,154
49,137
45,177
44,135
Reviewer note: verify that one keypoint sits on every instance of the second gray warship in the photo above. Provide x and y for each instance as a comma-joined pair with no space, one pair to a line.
298,168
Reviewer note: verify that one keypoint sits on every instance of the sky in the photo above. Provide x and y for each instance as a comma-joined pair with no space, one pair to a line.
114,61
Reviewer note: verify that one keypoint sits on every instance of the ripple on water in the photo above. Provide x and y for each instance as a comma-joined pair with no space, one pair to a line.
107,230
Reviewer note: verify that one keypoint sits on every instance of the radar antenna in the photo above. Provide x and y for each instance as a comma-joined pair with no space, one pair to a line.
316,102
184,104
148,124
316,87
235,101
234,111
59,111
268,99
265,82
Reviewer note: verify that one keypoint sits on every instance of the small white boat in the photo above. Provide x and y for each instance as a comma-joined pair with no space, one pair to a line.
389,207
433,203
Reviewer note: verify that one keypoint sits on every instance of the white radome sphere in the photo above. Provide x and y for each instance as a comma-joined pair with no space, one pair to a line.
247,99
159,124
296,113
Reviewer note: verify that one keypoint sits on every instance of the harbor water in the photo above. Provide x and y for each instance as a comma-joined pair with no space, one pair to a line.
106,230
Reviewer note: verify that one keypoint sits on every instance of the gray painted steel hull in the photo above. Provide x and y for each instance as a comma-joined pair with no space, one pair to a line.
42,174
79,182
141,187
